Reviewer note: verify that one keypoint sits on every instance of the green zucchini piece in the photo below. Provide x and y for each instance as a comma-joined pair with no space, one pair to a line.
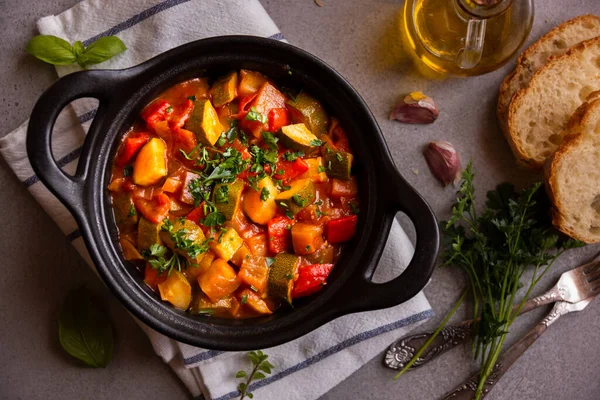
301,194
298,137
226,197
309,111
148,234
282,275
338,164
125,212
204,122
190,232
224,90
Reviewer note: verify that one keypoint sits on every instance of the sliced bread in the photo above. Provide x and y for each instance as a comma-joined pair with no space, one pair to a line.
573,175
539,113
554,43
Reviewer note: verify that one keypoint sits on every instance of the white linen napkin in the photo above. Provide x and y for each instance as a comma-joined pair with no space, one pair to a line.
305,368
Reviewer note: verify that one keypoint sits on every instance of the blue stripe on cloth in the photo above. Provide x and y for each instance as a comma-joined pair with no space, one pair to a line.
136,19
74,235
277,36
335,349
201,357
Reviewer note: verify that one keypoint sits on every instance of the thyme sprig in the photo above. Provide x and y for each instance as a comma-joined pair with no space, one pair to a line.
260,367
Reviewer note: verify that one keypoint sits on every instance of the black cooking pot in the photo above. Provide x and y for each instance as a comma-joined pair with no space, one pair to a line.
122,95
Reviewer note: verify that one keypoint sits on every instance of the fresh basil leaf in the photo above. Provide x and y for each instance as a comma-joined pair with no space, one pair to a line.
85,330
51,49
101,50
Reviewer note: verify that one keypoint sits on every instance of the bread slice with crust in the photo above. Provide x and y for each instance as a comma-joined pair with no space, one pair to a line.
573,175
539,113
554,43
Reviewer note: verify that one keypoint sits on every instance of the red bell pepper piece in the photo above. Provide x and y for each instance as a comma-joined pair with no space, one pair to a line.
154,210
278,117
180,117
155,111
340,139
184,140
196,214
131,146
152,278
342,229
311,278
244,104
291,169
255,128
280,235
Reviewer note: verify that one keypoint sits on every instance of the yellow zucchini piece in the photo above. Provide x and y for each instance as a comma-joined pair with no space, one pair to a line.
176,290
226,243
298,137
282,275
204,122
316,170
309,111
254,272
338,164
148,234
219,281
254,302
187,230
250,82
260,210
130,253
227,196
240,255
151,163
301,194
125,212
201,304
224,90
307,238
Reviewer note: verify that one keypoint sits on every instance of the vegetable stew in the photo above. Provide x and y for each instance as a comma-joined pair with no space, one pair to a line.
234,196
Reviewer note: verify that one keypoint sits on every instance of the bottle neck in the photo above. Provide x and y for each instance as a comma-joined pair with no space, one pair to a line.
484,8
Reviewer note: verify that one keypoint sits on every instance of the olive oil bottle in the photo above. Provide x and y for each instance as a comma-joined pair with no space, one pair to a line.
466,37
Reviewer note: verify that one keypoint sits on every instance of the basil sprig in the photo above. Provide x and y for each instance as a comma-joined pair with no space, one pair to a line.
85,330
57,51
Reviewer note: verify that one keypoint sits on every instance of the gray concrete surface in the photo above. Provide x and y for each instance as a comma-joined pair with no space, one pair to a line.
360,39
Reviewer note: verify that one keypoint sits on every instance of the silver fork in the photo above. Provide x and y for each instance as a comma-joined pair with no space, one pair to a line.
573,286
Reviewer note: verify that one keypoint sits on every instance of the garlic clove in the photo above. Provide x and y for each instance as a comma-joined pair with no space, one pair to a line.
415,108
443,162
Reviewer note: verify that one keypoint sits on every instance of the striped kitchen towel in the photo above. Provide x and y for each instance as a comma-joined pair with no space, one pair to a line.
305,368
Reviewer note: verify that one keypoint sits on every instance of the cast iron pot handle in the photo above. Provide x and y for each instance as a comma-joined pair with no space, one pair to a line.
96,84
362,294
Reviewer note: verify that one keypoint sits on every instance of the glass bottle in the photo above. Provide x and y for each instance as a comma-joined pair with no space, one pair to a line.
466,37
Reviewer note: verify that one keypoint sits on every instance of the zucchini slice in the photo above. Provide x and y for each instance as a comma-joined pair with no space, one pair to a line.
282,275
298,137
338,164
204,122
226,197
309,111
301,194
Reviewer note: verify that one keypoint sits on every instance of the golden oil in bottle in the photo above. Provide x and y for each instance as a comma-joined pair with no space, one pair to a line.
466,37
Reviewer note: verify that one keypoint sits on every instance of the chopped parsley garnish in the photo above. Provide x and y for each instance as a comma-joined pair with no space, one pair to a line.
270,139
254,289
319,203
316,142
339,157
182,241
222,194
291,156
232,133
222,140
283,204
264,194
307,247
270,261
199,191
215,218
321,169
329,165
244,298
192,98
354,208
131,212
289,214
300,202
169,109
288,227
128,171
290,276
254,115
320,213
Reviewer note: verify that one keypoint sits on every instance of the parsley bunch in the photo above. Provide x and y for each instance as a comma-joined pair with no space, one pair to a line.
495,248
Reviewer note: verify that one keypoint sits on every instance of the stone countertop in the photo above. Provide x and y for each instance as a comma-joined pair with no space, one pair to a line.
359,38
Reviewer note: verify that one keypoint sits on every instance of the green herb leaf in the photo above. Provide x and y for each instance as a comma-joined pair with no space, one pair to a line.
157,250
254,115
321,168
339,157
51,49
214,219
241,374
298,200
85,330
244,301
354,208
131,212
192,97
254,289
270,261
101,50
222,140
264,194
291,156
316,142
290,276
222,194
128,171
270,139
